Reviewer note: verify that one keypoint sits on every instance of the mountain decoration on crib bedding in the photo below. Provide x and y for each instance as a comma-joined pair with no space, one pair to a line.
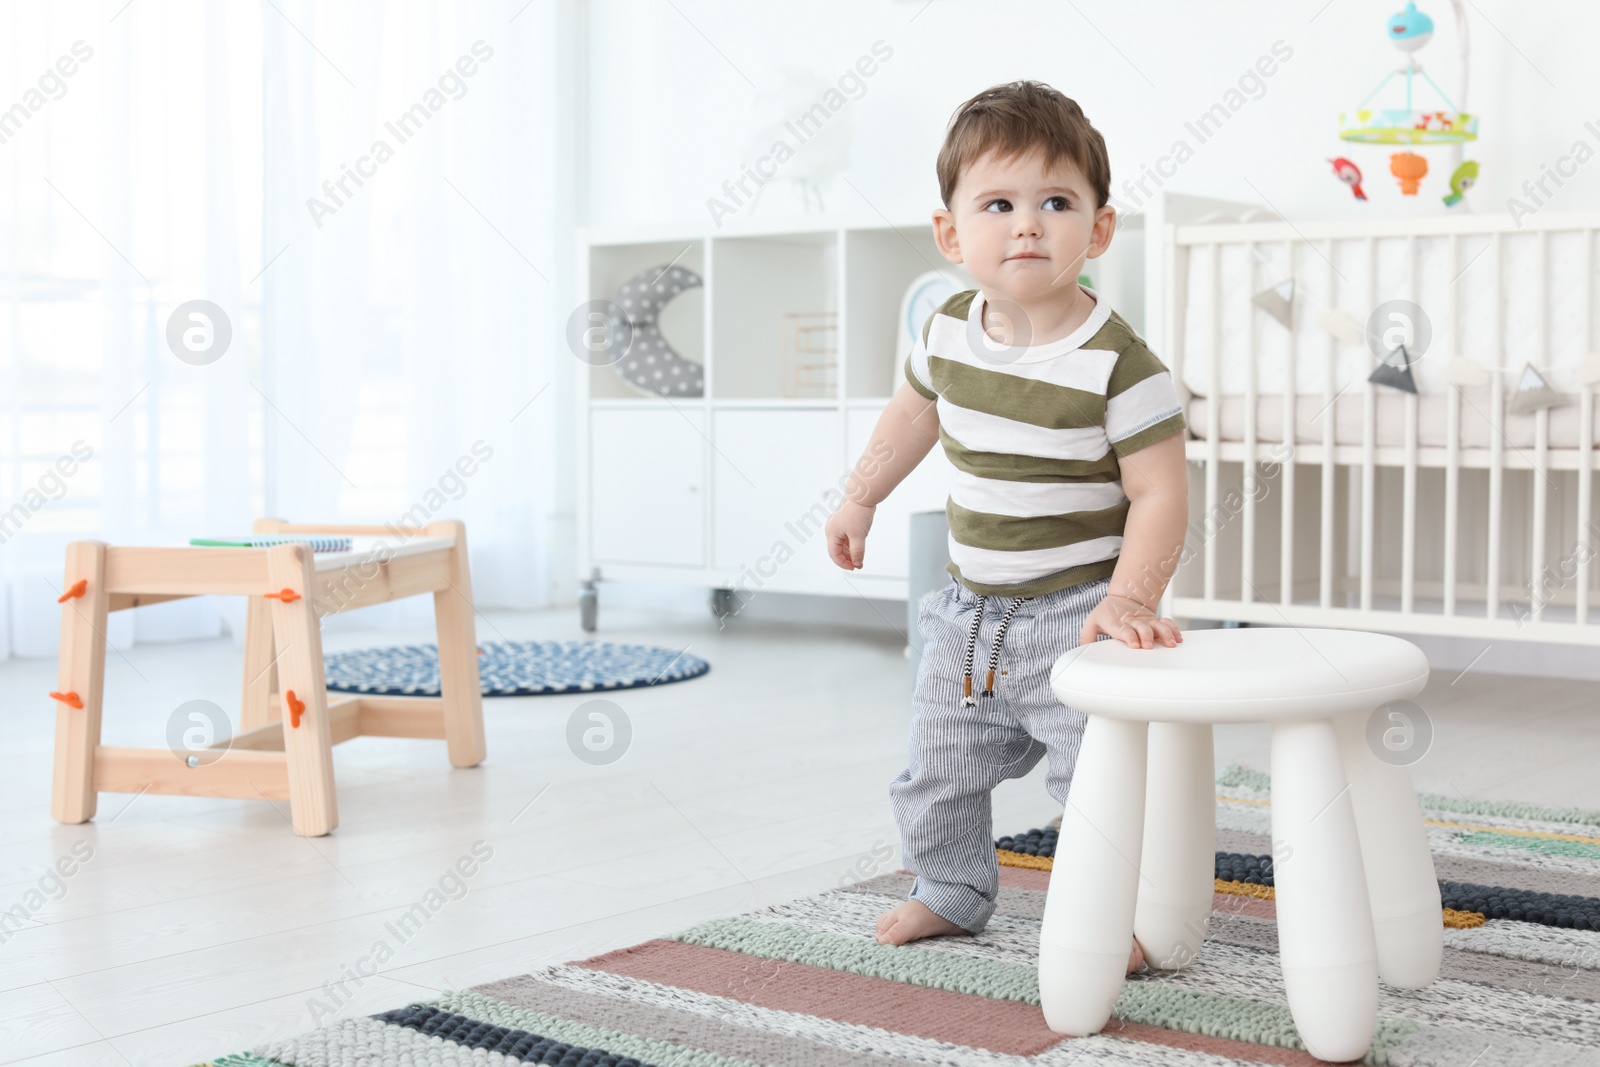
1394,370
1278,301
1533,394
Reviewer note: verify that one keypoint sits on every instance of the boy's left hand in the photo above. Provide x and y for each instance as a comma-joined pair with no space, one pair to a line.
1129,622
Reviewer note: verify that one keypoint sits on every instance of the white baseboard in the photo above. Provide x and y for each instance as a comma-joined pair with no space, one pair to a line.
1523,658
689,603
692,604
1527,658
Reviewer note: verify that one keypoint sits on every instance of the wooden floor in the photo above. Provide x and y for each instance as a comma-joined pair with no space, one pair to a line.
197,927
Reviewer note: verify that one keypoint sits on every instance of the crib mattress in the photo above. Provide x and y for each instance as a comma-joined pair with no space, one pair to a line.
1348,414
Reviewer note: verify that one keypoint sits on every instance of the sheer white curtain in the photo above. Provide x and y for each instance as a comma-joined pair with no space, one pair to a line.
371,194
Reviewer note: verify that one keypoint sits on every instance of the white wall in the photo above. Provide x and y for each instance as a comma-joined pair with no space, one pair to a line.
670,85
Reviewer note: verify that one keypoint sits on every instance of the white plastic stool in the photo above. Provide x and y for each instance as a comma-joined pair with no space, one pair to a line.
1357,897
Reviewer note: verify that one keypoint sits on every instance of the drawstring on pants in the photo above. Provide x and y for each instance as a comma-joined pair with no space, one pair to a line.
994,653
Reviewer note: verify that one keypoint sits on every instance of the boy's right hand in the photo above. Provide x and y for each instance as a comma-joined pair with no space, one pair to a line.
846,533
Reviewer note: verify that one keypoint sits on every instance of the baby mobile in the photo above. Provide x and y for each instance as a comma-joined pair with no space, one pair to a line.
1390,333
1411,126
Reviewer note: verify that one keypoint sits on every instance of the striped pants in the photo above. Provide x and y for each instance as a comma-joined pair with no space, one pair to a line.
959,753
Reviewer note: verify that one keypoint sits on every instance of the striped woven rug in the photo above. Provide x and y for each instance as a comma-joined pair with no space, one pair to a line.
805,983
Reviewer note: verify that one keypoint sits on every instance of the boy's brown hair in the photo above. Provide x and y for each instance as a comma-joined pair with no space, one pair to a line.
1015,118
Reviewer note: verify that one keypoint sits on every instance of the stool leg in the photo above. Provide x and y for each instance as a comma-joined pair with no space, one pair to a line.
1394,851
1325,938
260,668
1179,862
1088,911
81,669
308,748
460,689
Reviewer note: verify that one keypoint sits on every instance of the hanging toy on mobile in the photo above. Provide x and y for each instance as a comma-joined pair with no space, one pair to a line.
1350,174
1462,180
1410,168
1410,29
1411,126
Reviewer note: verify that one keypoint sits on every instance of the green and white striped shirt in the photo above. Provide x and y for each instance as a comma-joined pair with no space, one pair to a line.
1034,434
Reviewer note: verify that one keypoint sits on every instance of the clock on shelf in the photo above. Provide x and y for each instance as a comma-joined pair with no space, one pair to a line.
922,298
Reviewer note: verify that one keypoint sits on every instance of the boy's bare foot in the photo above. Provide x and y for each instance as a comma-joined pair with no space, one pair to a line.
914,920
911,921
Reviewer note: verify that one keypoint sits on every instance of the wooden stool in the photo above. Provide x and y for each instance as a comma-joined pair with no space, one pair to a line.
289,588
1356,894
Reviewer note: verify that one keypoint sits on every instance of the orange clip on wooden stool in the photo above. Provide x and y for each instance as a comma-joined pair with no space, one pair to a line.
289,722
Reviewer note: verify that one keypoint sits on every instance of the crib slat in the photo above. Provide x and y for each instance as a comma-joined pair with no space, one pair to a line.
1452,467
1408,512
1586,537
1369,416
1291,386
1175,297
1325,567
1408,505
1350,577
1213,431
1541,471
1497,401
1541,498
1250,471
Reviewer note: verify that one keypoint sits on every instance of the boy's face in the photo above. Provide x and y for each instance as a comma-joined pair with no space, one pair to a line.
1023,231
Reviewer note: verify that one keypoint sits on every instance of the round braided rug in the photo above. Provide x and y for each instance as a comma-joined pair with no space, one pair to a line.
514,668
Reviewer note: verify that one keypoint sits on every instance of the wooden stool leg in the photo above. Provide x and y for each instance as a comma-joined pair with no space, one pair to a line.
81,671
260,667
459,686
1094,883
308,747
1179,864
260,650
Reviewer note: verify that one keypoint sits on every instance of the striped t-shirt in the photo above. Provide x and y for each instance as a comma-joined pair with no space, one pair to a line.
1034,434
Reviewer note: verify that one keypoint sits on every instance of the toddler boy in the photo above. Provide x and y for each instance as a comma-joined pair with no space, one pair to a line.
1069,500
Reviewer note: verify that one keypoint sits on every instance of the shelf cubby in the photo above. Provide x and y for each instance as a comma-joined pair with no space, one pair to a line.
683,321
760,279
878,266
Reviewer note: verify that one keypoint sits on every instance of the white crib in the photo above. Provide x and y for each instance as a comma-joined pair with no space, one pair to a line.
1436,513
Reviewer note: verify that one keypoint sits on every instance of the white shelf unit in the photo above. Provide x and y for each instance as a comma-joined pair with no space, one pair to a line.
730,490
